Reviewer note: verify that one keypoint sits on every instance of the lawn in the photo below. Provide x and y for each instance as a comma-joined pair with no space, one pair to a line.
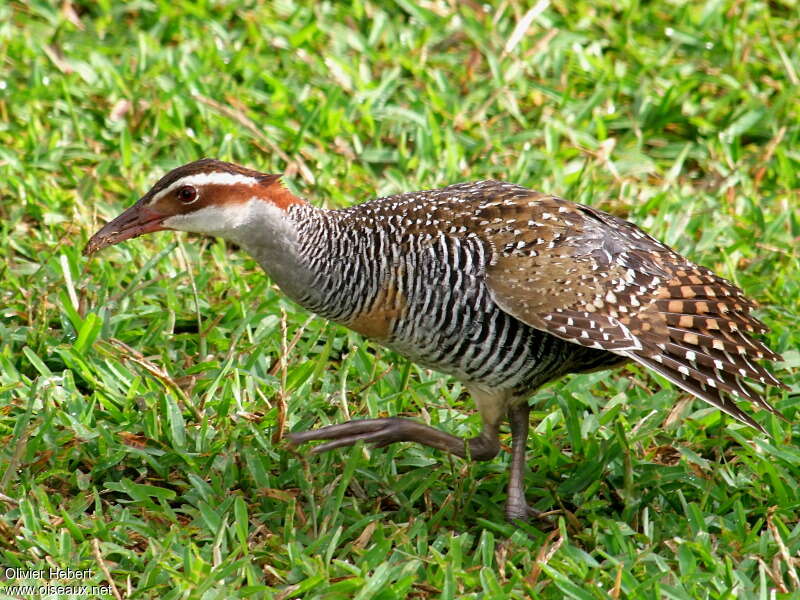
144,392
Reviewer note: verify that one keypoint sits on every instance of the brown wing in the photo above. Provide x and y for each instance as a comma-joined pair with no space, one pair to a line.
596,280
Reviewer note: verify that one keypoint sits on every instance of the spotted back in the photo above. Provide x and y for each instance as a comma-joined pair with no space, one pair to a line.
596,280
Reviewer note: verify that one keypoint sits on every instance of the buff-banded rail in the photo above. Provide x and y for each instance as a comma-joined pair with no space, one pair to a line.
502,287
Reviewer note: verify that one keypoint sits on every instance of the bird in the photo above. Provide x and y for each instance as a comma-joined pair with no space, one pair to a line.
499,286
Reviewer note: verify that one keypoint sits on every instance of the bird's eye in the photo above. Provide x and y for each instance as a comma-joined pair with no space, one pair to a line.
187,194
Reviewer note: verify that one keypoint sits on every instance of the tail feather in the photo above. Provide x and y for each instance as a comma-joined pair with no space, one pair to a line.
713,396
708,348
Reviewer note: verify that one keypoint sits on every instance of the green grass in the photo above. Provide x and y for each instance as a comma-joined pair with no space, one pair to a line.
141,391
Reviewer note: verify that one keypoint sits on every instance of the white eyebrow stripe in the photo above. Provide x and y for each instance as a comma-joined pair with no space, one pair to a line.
198,179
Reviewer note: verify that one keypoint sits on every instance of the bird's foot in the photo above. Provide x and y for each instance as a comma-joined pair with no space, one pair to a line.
379,432
382,432
517,509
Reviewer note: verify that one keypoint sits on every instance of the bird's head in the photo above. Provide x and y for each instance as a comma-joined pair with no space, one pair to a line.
206,196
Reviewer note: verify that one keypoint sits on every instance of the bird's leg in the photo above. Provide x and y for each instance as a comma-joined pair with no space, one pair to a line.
382,432
516,506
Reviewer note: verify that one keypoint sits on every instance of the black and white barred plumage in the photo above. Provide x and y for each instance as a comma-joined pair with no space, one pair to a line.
429,263
500,286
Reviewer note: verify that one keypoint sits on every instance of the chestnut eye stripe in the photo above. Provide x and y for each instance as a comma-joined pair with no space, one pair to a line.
188,194
201,179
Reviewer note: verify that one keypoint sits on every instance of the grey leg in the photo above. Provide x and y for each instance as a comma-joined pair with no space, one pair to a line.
382,432
516,506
